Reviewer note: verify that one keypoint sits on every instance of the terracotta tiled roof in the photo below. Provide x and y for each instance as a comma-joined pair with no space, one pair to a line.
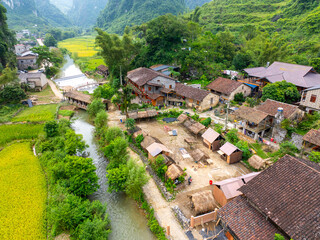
245,221
190,92
224,85
288,193
143,75
299,75
271,108
313,136
250,114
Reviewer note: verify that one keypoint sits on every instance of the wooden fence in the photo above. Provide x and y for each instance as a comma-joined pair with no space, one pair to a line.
202,219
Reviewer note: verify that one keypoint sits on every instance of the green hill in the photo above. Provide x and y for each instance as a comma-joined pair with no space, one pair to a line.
265,15
121,13
27,13
85,12
192,4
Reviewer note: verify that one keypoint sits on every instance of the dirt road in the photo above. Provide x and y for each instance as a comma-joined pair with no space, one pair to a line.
55,90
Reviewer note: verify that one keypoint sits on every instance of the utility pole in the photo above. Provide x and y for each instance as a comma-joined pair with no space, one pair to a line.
226,123
120,76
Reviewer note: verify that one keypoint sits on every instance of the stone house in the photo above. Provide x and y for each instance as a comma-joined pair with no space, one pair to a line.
310,99
157,89
226,88
36,81
311,140
27,60
283,199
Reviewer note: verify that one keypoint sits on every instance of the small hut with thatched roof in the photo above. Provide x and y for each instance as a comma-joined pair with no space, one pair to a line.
174,171
202,202
257,162
147,141
199,156
183,117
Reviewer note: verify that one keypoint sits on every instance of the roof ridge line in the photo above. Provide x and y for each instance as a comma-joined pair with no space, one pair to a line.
296,159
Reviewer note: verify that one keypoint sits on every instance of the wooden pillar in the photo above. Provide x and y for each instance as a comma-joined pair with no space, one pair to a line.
192,222
168,230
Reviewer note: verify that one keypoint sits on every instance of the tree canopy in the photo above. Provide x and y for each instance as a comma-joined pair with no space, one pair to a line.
281,91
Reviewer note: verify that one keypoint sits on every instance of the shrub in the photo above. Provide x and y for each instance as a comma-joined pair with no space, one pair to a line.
314,157
66,113
139,139
239,97
206,122
12,93
95,106
51,128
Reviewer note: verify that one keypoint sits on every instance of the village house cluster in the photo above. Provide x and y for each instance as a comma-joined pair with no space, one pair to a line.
240,204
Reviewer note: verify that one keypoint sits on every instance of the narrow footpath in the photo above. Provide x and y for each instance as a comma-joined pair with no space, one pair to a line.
55,90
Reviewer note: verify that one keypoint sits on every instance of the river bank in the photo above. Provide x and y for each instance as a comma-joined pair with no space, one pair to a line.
127,220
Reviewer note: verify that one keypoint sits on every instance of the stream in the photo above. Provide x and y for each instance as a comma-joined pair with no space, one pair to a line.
127,220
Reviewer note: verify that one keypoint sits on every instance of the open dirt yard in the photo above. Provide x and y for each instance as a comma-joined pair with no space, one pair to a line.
218,169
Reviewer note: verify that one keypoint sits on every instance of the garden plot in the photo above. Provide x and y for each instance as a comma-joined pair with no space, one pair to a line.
23,194
38,113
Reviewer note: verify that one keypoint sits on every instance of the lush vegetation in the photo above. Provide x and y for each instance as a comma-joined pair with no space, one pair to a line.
23,194
281,91
19,131
7,41
192,4
7,111
38,113
119,14
71,177
66,113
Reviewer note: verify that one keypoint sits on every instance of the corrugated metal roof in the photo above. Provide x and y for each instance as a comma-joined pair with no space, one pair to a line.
155,148
228,148
210,135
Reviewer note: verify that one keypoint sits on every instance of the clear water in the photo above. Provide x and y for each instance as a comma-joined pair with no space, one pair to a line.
127,220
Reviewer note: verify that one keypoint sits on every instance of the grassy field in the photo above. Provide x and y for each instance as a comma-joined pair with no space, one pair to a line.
83,46
23,194
19,131
6,112
37,113
45,96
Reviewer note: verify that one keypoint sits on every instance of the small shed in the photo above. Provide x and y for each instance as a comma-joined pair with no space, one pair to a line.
257,162
147,141
202,202
230,153
103,70
212,139
155,149
183,117
311,140
226,190
174,171
199,156
196,128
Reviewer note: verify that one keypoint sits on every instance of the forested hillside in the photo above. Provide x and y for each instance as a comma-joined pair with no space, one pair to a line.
63,5
86,12
120,13
192,4
26,13
6,41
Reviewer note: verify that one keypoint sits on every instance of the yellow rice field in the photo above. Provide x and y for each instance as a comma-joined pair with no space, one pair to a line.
22,194
83,46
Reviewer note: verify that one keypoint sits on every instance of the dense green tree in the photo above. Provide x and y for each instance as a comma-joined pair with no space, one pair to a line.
116,152
95,229
82,179
49,40
95,106
241,61
12,93
314,157
101,119
74,143
281,91
232,136
105,91
117,178
136,179
51,128
112,133
117,52
8,76
123,97
130,124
